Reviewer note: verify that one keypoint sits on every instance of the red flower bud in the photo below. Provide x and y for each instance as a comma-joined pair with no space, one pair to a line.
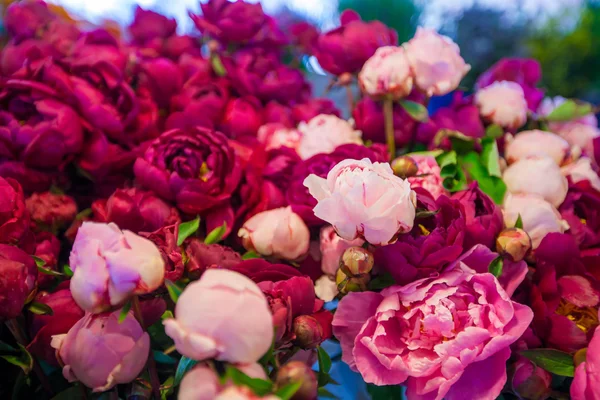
513,243
312,330
297,371
51,211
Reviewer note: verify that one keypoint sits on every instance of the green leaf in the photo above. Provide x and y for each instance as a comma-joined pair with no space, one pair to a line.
217,65
163,358
46,271
250,255
22,359
490,157
288,391
381,282
553,361
417,111
269,356
447,158
167,388
494,131
493,186
324,360
325,394
38,261
124,311
40,308
173,289
260,387
187,229
519,223
569,110
216,234
185,364
496,266
430,153
385,392
166,315
67,271
462,144
83,214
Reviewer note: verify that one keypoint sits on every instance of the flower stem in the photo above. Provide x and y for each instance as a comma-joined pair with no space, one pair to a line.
151,365
350,97
14,327
388,114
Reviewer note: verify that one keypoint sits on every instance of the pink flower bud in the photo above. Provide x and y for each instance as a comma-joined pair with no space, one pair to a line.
312,330
503,103
296,371
540,176
101,352
332,247
323,134
536,143
239,329
279,232
387,73
110,265
356,261
513,243
530,381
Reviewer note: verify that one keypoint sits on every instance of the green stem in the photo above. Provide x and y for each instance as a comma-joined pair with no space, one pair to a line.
388,113
151,365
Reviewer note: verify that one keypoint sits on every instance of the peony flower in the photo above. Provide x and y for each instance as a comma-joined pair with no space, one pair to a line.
580,136
165,240
436,63
538,176
279,232
240,329
101,352
18,275
14,218
275,135
536,143
196,168
65,314
260,270
503,103
527,72
51,211
530,381
416,334
582,170
387,73
483,217
587,380
47,248
347,48
580,211
364,199
242,117
428,175
202,383
136,210
109,265
312,330
539,217
309,109
148,25
332,247
201,256
323,134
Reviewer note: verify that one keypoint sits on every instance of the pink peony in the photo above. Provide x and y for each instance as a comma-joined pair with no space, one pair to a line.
387,73
102,352
225,316
323,134
540,176
582,170
586,384
364,199
428,175
444,336
275,135
436,62
581,136
332,247
109,265
539,217
202,383
536,143
279,232
503,103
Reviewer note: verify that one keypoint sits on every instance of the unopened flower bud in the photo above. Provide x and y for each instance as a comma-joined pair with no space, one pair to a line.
297,371
404,167
356,261
348,284
312,330
579,356
513,243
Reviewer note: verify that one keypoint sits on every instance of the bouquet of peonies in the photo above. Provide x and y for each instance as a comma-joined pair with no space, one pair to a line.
180,218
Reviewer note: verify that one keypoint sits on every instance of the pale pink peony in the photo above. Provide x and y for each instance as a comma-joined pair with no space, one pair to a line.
580,136
436,62
325,288
442,336
224,316
332,246
364,199
110,265
279,232
323,134
102,352
428,175
539,217
540,176
275,135
582,170
202,383
503,103
536,143
387,73
586,384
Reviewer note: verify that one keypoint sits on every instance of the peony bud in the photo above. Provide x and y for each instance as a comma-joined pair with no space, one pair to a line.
530,381
356,261
312,330
513,243
351,284
404,167
18,274
51,211
297,371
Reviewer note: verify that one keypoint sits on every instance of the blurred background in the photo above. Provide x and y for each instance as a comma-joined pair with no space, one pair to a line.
562,34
